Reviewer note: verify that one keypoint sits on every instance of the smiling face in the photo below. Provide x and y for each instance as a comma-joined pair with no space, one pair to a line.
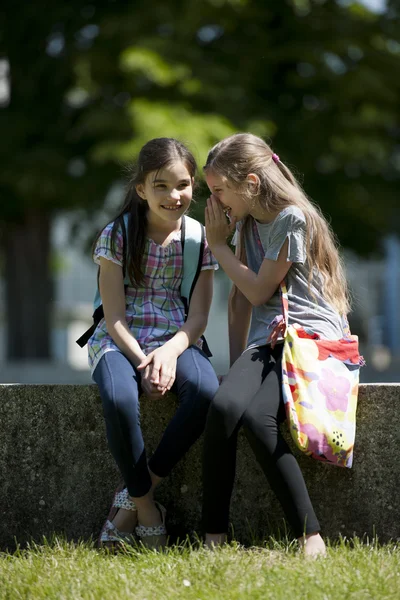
233,202
168,192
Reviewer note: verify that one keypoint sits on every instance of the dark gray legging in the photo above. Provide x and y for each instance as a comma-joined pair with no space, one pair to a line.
251,396
119,384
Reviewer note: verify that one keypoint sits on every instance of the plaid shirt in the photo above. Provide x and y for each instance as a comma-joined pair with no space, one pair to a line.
154,312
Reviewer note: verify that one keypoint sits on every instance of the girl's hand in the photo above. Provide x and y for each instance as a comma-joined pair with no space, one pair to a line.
278,329
148,388
162,367
218,229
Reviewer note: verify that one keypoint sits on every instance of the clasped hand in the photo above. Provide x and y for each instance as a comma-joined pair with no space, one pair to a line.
218,228
158,371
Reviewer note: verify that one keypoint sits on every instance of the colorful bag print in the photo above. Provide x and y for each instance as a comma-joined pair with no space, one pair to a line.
320,387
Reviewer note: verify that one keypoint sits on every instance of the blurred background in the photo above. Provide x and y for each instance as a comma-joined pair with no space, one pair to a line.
83,85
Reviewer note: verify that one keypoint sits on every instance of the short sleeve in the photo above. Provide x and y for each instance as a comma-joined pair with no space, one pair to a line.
290,224
104,248
235,237
209,262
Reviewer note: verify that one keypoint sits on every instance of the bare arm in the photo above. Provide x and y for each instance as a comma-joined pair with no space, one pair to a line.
239,315
259,287
112,293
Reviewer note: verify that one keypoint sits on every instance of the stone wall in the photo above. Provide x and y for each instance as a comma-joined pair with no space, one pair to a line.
57,475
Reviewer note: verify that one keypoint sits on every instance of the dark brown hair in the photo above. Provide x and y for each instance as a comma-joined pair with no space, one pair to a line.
155,155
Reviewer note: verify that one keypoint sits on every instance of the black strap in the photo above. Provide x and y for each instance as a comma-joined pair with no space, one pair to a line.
183,231
124,245
98,314
206,348
199,263
83,340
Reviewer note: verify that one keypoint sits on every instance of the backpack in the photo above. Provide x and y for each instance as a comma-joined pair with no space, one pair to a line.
192,239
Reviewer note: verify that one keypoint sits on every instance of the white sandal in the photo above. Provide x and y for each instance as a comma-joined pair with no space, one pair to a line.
110,534
157,532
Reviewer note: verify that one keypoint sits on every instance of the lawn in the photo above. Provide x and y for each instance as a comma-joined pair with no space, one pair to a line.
352,570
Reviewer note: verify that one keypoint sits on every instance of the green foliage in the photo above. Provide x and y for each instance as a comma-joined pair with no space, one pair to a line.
147,63
90,84
197,130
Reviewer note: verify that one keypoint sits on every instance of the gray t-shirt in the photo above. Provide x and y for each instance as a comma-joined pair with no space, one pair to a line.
310,312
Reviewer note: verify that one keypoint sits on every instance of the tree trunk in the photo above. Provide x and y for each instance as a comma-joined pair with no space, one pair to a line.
28,288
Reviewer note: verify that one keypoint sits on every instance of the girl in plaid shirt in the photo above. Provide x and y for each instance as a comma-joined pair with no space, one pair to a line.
144,343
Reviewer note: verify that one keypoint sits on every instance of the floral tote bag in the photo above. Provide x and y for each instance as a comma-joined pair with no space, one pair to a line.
320,387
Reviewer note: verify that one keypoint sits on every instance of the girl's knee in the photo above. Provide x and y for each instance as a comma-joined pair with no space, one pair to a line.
119,402
196,397
251,421
222,405
223,418
208,388
196,377
261,426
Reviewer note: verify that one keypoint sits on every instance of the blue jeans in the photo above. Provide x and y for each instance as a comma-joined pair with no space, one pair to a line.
119,383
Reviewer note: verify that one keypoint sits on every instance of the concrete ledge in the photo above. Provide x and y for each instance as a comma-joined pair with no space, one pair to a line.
57,475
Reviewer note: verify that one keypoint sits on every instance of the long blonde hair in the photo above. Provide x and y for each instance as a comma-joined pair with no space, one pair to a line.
240,154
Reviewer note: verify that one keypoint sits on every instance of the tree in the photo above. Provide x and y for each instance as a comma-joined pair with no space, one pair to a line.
90,83
66,98
45,159
316,77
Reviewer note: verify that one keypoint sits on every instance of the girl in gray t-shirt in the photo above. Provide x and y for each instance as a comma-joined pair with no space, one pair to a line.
280,235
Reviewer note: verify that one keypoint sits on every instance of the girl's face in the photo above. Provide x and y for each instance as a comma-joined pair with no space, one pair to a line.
234,204
168,192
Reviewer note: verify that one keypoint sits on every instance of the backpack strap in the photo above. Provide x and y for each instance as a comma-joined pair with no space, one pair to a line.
192,236
193,242
124,227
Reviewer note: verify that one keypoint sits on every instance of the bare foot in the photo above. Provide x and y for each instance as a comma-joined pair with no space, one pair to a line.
215,539
312,545
149,515
125,520
152,515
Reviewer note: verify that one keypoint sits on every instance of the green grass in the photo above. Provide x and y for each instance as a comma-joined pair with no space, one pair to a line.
352,570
